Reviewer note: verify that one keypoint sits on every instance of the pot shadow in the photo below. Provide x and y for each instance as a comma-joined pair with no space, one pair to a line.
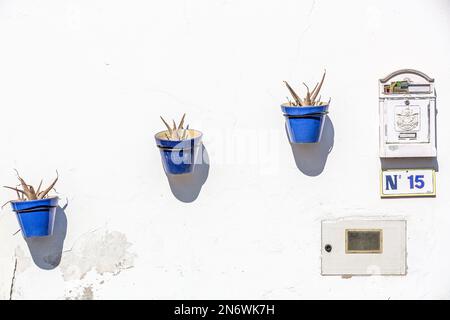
311,158
47,251
187,187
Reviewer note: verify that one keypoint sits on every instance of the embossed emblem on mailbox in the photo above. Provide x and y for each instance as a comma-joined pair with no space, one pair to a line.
407,119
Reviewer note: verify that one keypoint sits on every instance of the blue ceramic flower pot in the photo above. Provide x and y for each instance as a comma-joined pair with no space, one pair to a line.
304,124
36,217
179,156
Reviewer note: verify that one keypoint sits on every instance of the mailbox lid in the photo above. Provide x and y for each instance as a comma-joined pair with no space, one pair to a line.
406,82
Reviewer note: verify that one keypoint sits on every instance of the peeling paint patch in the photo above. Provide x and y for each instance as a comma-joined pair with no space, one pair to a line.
88,294
100,250
23,262
82,293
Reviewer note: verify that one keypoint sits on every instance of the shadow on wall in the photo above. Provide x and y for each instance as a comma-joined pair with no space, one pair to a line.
409,163
186,187
311,158
47,251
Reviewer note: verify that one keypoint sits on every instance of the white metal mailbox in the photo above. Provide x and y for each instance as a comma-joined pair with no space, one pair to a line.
407,115
364,246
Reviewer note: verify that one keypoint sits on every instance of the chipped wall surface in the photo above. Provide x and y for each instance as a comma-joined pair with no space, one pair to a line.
82,85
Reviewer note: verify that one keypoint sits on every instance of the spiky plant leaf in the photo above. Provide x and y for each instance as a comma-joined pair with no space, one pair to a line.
319,87
180,126
308,96
43,193
176,132
167,125
293,94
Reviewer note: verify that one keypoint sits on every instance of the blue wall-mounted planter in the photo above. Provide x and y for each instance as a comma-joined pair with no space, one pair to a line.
36,217
305,124
179,156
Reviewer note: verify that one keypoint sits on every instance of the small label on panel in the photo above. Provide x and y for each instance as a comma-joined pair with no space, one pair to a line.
408,183
407,135
364,241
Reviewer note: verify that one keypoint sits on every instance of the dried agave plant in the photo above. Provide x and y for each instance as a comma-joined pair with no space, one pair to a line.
176,132
28,192
312,97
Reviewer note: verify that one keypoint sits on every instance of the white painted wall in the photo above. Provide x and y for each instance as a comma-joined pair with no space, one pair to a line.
82,85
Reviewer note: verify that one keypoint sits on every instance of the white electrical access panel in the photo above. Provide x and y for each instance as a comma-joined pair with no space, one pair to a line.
407,115
363,246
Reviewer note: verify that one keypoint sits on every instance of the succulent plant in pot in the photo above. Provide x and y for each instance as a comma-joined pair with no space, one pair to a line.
179,147
34,208
305,117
